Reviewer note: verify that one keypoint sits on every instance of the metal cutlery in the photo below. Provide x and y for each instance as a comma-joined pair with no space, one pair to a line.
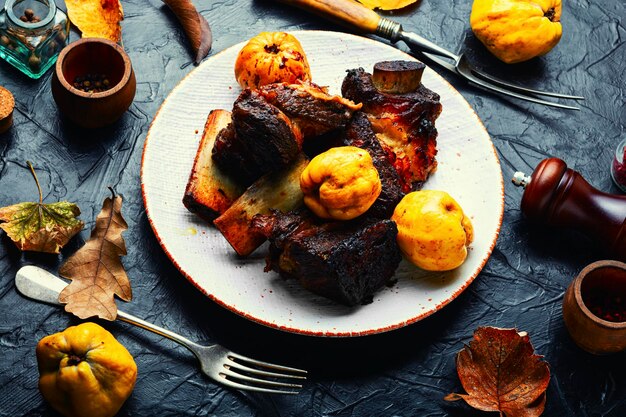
217,362
358,16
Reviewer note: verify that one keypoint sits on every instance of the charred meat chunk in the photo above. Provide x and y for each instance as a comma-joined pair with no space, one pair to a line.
310,107
269,125
397,76
260,139
344,261
359,133
404,124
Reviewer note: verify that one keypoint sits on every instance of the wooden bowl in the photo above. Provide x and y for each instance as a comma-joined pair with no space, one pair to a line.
93,56
590,332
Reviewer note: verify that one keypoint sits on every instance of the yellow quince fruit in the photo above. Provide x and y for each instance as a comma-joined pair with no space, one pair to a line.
271,57
341,183
85,372
433,231
517,30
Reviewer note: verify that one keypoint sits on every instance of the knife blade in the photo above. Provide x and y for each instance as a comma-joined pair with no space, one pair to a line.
38,284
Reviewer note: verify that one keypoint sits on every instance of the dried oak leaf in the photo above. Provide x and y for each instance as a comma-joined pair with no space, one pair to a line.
500,372
97,18
40,227
386,4
195,26
96,270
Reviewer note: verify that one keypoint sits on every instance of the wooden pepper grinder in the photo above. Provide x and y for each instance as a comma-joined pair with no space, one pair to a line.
559,196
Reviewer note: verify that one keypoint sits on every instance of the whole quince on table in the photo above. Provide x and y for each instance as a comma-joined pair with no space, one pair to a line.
517,30
85,372
433,231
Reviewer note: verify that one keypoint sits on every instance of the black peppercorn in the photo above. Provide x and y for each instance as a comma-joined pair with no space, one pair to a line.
92,83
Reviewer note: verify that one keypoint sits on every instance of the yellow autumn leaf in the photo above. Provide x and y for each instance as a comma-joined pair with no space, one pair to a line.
386,4
97,18
40,227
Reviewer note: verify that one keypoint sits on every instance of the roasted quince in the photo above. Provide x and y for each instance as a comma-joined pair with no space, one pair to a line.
341,183
433,231
271,57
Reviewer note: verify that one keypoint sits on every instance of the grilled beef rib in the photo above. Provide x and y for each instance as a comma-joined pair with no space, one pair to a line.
269,125
344,261
260,139
404,124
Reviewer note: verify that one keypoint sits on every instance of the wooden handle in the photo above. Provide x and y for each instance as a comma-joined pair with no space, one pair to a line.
344,11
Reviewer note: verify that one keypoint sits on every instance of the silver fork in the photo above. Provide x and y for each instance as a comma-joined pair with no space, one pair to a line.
217,362
360,17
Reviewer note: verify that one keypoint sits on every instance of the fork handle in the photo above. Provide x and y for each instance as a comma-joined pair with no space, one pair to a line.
344,11
41,285
129,318
356,15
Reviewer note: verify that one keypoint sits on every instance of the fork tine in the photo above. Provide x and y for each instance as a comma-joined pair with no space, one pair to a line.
240,367
240,377
468,75
244,387
255,362
521,89
487,85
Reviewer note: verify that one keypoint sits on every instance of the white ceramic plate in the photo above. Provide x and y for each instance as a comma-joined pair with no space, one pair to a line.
468,169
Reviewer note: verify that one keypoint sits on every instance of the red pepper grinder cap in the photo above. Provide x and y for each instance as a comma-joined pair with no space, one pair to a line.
537,201
558,196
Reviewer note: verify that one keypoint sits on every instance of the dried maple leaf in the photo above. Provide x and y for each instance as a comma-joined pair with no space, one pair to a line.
40,227
195,26
97,18
96,270
386,4
500,372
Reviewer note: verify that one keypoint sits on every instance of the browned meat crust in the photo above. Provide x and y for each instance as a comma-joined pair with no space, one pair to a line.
269,125
310,107
360,134
344,261
260,139
404,123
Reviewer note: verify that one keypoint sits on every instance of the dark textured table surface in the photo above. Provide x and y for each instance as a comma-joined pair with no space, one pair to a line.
406,372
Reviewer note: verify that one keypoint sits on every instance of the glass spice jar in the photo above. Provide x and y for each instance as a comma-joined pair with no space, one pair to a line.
618,167
32,33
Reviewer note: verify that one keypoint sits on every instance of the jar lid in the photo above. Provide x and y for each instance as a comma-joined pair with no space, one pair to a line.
9,7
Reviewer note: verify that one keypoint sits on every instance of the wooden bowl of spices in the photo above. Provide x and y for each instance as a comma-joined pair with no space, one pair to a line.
93,83
594,308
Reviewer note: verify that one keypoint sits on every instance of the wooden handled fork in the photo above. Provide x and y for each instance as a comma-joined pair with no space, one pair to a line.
360,17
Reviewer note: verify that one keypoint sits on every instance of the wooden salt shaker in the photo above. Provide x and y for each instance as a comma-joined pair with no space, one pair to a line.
7,104
559,196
